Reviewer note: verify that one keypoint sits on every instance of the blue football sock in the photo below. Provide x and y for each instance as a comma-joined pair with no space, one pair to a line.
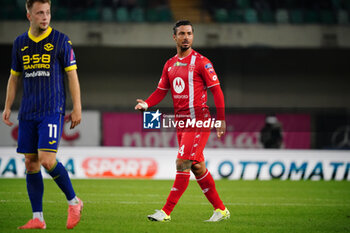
35,188
60,176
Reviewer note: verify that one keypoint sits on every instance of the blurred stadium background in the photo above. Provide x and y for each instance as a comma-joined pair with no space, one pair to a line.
282,58
287,58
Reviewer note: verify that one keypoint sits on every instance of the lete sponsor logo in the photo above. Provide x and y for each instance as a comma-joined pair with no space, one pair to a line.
120,167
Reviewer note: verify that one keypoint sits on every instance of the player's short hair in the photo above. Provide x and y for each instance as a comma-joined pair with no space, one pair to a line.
181,23
30,3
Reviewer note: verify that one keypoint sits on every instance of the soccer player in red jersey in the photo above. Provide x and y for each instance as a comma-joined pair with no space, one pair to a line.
188,75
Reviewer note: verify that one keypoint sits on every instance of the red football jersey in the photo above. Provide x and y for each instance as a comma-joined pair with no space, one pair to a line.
188,79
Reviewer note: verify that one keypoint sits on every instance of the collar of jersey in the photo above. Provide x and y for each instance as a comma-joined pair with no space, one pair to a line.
182,58
41,37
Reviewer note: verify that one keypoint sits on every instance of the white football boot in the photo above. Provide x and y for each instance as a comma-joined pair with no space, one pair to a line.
159,216
219,215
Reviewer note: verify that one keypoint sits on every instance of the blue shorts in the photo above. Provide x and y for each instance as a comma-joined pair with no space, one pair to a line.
43,134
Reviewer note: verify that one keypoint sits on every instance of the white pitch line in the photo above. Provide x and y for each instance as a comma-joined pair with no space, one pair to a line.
289,204
245,204
194,196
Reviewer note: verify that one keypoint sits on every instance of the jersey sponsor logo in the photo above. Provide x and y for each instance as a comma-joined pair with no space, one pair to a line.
39,61
178,85
48,47
34,74
207,66
24,48
180,96
192,66
180,64
37,66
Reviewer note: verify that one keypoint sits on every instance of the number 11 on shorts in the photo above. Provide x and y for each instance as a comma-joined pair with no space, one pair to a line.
52,130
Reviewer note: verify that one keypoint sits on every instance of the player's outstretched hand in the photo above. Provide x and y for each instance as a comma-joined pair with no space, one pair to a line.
75,118
141,105
220,131
6,117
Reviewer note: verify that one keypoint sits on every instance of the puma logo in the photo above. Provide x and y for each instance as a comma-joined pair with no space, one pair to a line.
52,142
24,48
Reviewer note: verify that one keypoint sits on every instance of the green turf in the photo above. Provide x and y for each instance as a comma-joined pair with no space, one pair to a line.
122,206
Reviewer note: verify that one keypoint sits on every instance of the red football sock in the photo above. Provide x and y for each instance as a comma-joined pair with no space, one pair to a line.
206,182
180,185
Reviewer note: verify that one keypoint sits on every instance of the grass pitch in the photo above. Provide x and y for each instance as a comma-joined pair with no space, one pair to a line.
122,206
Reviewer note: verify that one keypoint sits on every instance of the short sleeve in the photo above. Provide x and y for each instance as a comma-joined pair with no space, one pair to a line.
164,80
16,66
67,56
208,73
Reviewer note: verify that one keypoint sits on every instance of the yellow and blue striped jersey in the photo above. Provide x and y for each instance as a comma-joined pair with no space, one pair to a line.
42,61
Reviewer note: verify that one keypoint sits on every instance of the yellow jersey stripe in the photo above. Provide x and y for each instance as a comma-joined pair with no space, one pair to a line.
69,68
27,153
47,149
15,73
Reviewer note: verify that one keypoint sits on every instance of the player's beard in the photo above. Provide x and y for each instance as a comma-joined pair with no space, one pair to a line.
183,49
